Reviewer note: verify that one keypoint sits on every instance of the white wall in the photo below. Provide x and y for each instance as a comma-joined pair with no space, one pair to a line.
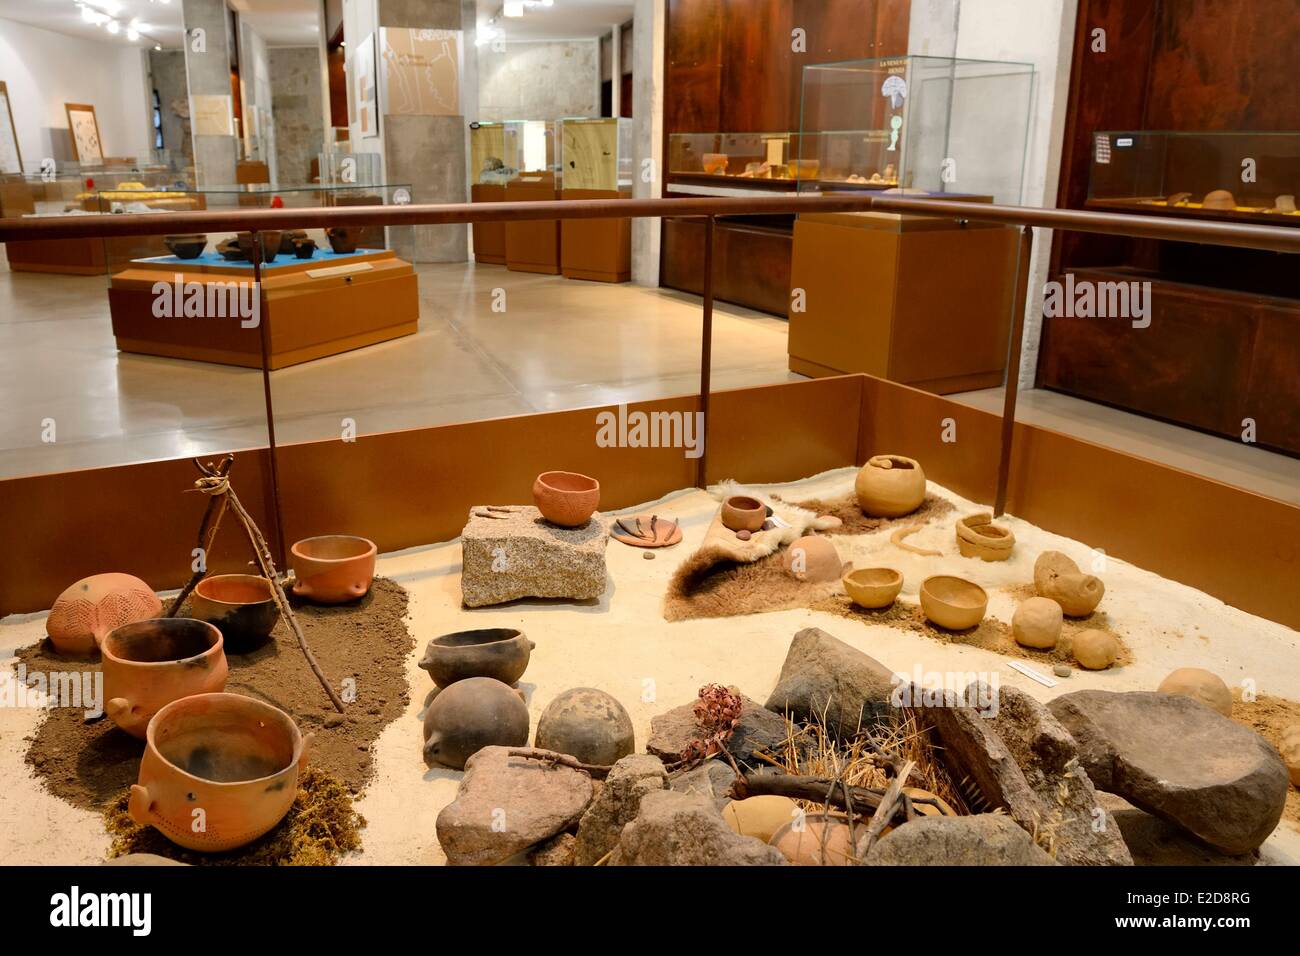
45,70
542,80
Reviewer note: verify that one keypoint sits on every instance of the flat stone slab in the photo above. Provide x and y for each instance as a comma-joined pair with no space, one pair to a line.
519,554
758,729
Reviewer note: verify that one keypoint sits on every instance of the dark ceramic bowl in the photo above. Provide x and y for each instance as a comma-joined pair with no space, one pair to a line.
230,251
186,247
289,238
304,248
240,605
500,653
343,238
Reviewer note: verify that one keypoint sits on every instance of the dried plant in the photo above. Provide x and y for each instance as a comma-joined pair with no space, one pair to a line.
717,712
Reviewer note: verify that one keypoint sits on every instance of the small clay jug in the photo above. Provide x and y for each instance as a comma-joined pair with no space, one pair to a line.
742,513
149,664
235,758
240,605
84,613
498,652
332,568
566,498
472,714
890,486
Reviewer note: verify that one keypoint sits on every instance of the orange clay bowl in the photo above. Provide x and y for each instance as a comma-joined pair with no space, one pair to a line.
240,605
873,587
741,513
149,664
235,758
566,498
953,603
332,568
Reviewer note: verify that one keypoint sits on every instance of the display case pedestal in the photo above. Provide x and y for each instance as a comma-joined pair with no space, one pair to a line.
533,246
489,237
596,249
922,301
312,308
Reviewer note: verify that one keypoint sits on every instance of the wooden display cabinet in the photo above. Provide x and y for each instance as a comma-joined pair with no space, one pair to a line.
533,246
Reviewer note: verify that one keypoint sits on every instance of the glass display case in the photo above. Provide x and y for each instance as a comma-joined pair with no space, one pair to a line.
1230,176
494,157
537,144
736,158
597,154
929,124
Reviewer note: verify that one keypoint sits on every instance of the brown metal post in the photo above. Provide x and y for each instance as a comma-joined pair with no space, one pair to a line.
264,329
1018,305
706,357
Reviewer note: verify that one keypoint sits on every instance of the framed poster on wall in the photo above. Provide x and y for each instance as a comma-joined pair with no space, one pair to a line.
420,71
11,160
84,127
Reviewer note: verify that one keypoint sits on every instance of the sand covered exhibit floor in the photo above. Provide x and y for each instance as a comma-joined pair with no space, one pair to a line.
622,644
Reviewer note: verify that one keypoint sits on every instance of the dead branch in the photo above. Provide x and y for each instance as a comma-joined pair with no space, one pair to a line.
889,805
207,529
562,760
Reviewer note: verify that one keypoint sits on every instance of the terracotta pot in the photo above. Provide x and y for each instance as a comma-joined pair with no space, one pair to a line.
741,513
1199,684
343,239
235,758
822,841
242,607
873,587
84,613
890,486
588,724
979,537
953,603
813,559
715,164
566,498
760,817
186,247
498,652
1219,199
472,714
149,664
270,244
332,568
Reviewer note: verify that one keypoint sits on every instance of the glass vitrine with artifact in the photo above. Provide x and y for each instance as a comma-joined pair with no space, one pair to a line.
735,158
1229,176
597,154
494,153
918,123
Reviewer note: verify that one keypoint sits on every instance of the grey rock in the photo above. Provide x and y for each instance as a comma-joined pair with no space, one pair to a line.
824,678
678,829
986,839
506,804
1157,842
617,805
758,729
520,555
1174,757
1062,670
712,779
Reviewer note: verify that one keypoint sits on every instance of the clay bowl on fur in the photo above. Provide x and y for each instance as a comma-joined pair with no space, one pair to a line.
149,664
332,568
740,513
497,652
187,246
953,603
566,498
873,587
236,758
242,607
979,537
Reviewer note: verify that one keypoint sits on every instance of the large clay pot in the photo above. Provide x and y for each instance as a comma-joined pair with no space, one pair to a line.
760,817
566,498
332,568
240,605
472,714
979,537
873,588
741,513
497,652
890,486
84,613
588,724
234,758
953,603
813,559
819,841
149,664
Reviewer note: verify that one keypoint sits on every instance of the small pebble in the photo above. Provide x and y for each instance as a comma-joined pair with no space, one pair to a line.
333,720
743,535
1061,670
648,555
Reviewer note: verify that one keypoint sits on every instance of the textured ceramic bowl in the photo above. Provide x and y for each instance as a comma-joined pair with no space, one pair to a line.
566,498
741,513
235,758
186,247
953,603
332,568
343,238
497,652
84,613
242,607
149,664
890,486
472,714
873,587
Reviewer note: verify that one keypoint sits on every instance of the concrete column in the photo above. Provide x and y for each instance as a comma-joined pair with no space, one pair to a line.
647,132
616,70
207,71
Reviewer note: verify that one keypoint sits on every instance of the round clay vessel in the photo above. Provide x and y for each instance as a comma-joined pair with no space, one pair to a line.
566,498
1095,650
84,613
1037,623
873,587
240,605
497,652
188,246
890,486
149,664
953,603
760,817
822,841
343,238
588,724
1200,684
740,513
235,758
332,568
472,714
1219,199
1056,576
230,251
813,559
979,537
1290,751
270,244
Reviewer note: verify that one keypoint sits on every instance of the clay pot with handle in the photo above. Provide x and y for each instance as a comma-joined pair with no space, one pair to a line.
149,664
219,771
332,568
497,652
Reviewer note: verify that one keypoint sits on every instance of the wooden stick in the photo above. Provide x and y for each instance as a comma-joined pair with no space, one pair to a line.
562,760
885,811
207,529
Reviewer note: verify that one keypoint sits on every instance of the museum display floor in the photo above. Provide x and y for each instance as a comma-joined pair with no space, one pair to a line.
622,644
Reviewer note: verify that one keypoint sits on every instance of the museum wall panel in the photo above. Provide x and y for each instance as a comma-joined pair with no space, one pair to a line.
539,81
